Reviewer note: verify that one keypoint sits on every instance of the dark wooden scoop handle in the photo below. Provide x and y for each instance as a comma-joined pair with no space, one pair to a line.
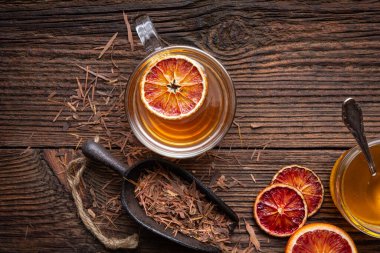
98,153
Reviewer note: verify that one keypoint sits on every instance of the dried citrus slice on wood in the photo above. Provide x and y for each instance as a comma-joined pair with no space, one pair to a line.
174,87
280,210
321,238
306,181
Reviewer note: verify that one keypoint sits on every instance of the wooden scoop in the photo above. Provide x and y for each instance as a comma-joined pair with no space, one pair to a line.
96,152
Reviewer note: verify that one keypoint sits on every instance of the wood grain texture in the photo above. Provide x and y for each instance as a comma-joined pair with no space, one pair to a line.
36,214
31,197
292,63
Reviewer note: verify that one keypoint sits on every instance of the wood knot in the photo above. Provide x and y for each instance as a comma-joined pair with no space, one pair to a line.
228,35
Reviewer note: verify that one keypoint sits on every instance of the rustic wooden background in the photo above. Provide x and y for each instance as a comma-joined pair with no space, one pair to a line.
292,63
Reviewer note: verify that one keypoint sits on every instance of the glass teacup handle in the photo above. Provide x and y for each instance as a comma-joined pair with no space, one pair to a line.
148,34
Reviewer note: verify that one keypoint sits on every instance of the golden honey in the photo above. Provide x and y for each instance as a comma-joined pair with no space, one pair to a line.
192,134
355,192
361,191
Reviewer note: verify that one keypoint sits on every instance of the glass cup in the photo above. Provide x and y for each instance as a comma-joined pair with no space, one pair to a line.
342,173
192,135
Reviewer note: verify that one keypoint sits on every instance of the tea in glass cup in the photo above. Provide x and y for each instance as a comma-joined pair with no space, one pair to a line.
180,100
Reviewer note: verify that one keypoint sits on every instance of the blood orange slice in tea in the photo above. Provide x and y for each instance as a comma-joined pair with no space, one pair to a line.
306,181
322,238
174,87
280,210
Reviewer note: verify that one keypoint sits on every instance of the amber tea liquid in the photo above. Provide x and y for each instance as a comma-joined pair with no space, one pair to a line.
190,132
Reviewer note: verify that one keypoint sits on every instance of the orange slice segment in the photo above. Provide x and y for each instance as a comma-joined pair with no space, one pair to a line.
280,210
306,181
321,238
174,87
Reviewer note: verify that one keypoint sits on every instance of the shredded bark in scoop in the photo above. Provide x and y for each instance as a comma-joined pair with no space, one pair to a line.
181,207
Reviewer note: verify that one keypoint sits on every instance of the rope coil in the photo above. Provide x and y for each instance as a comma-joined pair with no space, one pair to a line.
75,170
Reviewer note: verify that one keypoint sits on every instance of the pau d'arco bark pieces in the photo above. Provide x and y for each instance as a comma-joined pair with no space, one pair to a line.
181,207
322,238
306,181
280,210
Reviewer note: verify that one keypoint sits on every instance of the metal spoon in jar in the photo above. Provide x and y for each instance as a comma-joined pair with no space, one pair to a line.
353,119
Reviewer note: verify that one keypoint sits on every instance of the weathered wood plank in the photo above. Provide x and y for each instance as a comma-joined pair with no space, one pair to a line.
30,194
36,214
292,64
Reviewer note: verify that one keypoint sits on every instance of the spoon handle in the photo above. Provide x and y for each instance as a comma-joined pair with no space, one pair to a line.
353,119
97,153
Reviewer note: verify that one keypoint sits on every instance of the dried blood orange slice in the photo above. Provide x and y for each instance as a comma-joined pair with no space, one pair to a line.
306,181
280,210
174,87
322,238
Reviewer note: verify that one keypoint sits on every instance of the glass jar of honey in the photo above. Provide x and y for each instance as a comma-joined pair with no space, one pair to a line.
355,192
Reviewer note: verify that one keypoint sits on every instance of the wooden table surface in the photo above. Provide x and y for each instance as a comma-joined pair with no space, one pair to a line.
292,63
